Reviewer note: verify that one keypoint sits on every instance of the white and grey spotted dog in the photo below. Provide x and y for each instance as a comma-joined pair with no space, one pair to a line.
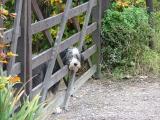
71,57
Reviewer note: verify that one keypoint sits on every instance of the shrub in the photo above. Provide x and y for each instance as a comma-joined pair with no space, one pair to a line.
126,35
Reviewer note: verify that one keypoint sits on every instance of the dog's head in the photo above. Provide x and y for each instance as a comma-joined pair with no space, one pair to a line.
74,58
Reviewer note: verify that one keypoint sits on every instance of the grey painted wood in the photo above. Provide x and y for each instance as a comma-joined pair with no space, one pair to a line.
96,17
16,69
36,90
15,35
60,62
21,47
56,46
105,5
90,51
85,24
69,90
39,15
29,48
149,5
56,77
8,35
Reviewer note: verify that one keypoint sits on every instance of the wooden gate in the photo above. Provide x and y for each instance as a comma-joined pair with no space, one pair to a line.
20,38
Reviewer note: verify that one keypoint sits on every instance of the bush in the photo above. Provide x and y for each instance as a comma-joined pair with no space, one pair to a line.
126,35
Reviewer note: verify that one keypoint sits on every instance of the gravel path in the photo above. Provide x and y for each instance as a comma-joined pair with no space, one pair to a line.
132,99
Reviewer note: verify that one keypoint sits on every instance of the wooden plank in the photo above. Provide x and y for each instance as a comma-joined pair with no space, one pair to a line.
16,69
84,78
29,47
149,5
15,34
105,5
39,15
96,17
90,51
85,24
53,80
36,90
21,47
54,20
57,76
56,46
45,56
69,90
60,62
8,35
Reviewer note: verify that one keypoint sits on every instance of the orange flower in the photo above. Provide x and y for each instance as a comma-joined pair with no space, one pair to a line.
3,61
4,12
2,45
11,54
123,4
58,1
12,15
14,79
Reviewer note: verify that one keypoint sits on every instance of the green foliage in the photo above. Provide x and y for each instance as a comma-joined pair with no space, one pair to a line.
126,35
156,5
9,99
151,61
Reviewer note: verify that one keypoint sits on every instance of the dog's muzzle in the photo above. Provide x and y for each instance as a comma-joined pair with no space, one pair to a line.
74,65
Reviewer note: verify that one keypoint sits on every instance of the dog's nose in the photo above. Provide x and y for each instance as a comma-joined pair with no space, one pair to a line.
75,64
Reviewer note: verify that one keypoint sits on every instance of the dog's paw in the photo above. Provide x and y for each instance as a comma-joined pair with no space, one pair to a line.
58,110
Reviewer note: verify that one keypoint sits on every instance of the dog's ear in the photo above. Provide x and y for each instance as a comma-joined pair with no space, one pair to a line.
82,57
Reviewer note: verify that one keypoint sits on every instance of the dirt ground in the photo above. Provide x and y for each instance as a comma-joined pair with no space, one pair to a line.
130,99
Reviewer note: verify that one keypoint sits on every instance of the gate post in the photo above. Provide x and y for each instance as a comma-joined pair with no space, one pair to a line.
96,17
24,48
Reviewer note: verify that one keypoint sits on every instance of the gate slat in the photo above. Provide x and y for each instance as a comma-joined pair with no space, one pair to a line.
15,34
56,46
85,24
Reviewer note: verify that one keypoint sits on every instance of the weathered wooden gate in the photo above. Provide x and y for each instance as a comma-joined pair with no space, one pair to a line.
20,37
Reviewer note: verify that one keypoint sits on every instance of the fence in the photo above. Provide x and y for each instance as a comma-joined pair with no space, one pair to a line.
20,38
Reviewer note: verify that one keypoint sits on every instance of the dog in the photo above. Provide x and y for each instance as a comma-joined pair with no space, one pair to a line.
70,57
